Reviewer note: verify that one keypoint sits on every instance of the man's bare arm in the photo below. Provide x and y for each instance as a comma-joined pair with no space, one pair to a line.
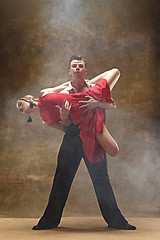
64,115
91,103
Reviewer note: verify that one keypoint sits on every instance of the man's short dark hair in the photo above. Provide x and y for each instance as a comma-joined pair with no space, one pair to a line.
77,57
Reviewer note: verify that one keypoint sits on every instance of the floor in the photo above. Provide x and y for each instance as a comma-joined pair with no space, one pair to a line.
78,228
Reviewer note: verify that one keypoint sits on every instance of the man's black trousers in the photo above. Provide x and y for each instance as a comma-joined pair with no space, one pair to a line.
69,157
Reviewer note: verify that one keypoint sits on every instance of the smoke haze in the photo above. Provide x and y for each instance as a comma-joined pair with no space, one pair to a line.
37,40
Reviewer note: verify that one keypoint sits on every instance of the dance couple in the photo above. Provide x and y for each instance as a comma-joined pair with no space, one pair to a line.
78,109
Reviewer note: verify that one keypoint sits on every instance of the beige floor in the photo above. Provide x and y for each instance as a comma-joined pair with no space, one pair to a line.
78,228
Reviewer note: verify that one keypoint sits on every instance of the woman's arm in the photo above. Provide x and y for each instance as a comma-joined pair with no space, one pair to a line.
111,76
54,90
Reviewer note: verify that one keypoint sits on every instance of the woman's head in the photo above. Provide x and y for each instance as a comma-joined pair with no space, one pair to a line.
25,104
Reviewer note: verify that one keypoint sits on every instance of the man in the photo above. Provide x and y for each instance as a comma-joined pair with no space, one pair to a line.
71,153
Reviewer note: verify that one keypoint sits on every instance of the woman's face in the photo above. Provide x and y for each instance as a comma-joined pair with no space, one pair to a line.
23,107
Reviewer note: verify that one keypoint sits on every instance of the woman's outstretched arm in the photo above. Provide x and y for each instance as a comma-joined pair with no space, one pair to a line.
111,76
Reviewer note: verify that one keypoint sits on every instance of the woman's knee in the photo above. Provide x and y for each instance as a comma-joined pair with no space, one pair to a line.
114,150
107,142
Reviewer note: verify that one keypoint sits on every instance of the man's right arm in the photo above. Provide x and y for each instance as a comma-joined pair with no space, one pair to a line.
64,115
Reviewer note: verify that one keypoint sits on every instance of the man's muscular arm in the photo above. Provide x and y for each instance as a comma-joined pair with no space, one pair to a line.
64,113
92,103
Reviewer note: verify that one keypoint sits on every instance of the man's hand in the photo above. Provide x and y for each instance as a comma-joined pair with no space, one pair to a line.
64,113
92,103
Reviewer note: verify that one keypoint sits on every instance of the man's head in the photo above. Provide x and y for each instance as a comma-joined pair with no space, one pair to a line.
77,57
77,67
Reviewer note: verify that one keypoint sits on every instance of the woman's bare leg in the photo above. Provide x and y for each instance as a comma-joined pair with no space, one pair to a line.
107,142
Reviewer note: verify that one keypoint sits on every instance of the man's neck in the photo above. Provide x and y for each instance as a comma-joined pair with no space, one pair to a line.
79,85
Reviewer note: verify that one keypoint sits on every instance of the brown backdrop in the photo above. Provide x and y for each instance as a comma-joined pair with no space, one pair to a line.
37,38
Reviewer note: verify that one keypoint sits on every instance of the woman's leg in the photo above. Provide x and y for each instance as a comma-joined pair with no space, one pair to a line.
107,142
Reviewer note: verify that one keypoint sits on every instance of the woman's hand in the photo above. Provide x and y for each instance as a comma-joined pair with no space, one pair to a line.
92,103
64,112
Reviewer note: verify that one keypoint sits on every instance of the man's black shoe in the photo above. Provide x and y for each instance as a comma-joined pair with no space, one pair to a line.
126,226
45,227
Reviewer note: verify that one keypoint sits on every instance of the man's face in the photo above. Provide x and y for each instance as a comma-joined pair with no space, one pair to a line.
77,69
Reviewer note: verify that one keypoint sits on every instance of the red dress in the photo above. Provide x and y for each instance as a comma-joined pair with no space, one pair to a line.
89,122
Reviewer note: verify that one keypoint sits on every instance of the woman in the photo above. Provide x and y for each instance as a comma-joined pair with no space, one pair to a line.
90,123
